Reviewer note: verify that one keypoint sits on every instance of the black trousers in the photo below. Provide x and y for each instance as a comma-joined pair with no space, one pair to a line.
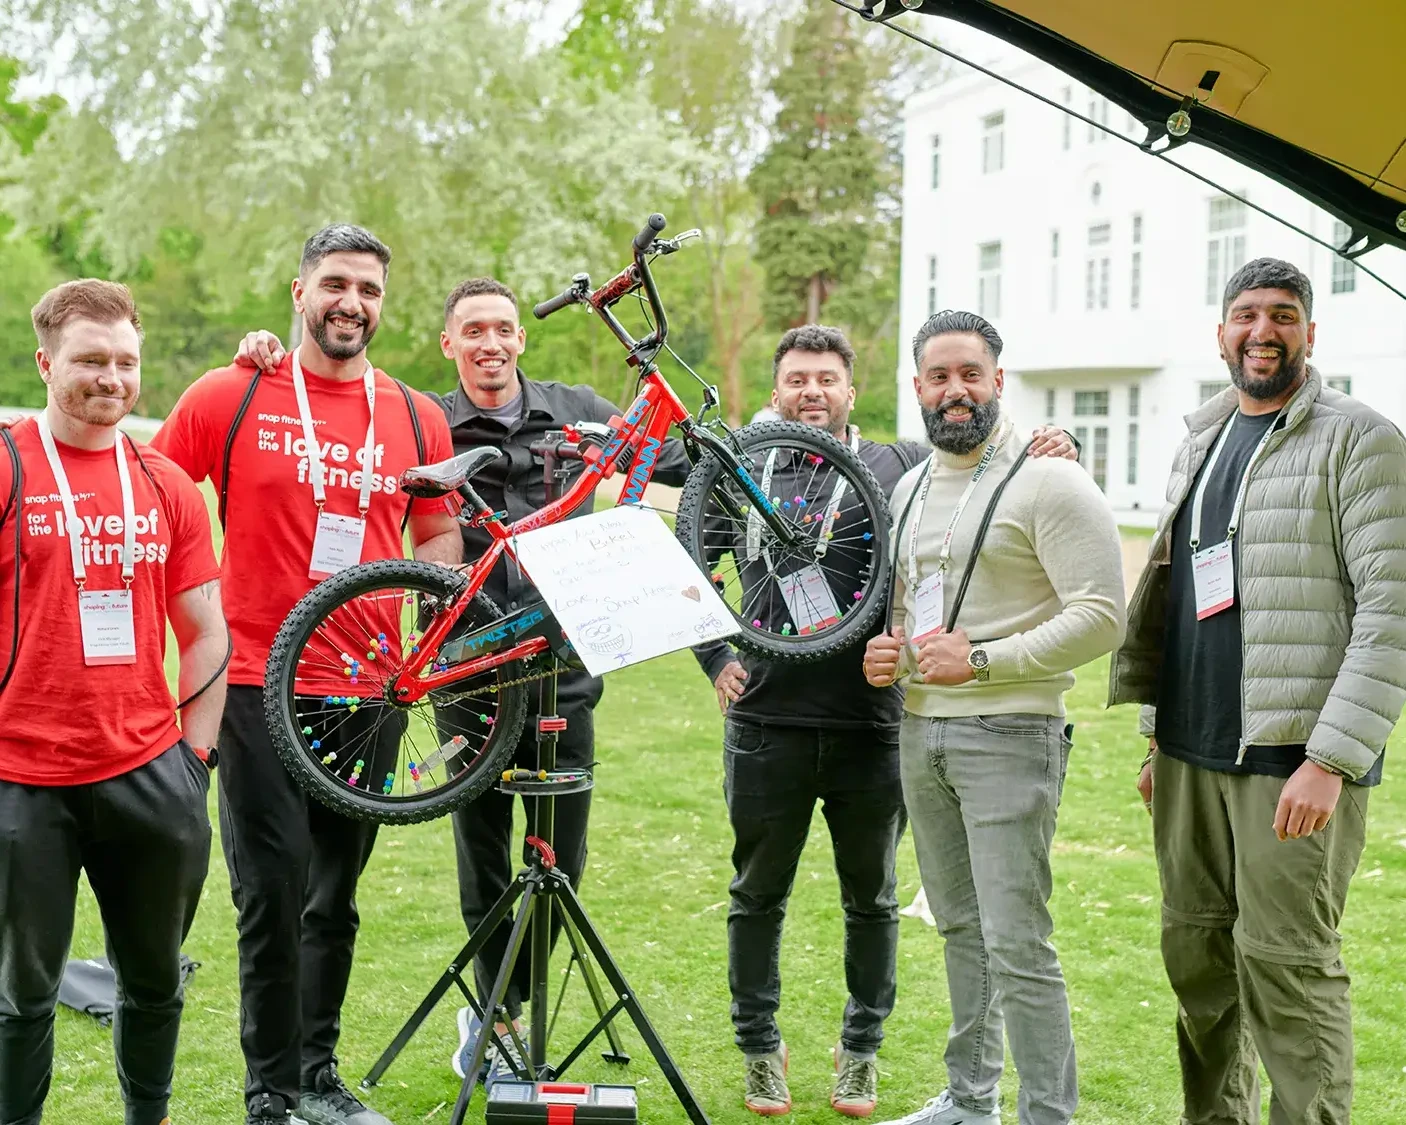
144,840
773,776
483,838
293,869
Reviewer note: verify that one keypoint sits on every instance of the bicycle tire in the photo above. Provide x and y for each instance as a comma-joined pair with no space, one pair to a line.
701,500
281,701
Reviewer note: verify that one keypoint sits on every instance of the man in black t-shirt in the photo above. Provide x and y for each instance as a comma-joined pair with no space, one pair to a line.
798,733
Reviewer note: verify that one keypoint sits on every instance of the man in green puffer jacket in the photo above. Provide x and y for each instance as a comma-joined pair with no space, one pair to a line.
1267,641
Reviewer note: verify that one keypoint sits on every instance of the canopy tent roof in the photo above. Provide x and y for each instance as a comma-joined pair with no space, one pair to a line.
1309,93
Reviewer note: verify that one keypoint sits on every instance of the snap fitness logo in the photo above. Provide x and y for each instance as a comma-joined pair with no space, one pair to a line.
342,465
101,535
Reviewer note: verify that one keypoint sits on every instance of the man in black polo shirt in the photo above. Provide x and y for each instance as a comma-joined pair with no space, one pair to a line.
798,733
495,404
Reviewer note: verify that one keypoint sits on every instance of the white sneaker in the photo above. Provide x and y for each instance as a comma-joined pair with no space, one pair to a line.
942,1110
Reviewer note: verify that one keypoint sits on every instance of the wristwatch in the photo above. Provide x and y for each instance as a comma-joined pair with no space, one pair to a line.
210,755
980,663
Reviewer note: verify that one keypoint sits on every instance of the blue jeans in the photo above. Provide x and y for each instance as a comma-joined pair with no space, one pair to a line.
774,776
983,793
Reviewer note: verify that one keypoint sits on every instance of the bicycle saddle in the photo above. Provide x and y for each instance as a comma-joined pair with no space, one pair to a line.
428,481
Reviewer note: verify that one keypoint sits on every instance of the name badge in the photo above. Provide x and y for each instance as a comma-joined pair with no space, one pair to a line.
929,602
809,598
105,619
1213,571
337,544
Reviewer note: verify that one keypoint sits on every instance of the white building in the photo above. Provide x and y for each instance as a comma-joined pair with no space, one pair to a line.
1103,267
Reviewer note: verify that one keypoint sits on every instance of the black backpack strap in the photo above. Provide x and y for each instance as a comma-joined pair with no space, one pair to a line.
897,539
982,528
229,441
12,512
419,440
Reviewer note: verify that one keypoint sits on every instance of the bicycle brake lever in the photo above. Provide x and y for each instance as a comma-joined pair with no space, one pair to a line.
675,244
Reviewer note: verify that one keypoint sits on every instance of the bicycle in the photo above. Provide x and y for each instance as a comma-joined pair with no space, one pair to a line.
395,689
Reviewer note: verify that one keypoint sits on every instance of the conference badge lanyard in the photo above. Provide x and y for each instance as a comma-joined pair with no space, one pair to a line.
104,616
1213,568
928,598
806,591
338,540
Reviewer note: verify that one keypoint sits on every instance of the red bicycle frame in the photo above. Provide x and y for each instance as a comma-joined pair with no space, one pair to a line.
642,430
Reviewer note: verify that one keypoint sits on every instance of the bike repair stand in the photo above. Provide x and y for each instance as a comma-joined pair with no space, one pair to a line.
541,886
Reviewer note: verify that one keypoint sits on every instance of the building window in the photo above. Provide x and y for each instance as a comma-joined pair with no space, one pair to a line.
1225,248
1132,453
1049,404
993,142
936,162
1340,382
1091,404
932,284
1134,401
988,279
1068,95
1135,266
1208,391
1344,271
1099,469
1054,270
1096,267
1098,112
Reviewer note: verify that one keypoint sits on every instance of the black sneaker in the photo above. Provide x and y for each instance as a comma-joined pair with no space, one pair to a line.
270,1109
329,1102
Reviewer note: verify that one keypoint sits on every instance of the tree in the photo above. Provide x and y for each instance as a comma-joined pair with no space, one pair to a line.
822,175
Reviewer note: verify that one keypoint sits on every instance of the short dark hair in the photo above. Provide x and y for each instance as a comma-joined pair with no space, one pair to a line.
814,338
342,238
950,321
476,287
1269,273
88,298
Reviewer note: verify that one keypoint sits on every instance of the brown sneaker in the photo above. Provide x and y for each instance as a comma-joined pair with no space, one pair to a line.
856,1090
767,1092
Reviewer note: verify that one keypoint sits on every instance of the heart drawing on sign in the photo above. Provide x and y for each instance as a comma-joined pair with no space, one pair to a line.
691,592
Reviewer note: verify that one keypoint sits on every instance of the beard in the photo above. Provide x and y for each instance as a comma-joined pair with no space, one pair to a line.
1291,370
961,437
94,409
838,426
333,348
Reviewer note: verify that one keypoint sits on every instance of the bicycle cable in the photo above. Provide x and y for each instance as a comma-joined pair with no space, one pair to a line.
1162,155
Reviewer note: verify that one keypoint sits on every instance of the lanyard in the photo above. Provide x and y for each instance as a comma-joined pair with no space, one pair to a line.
832,509
319,490
70,514
1199,497
945,556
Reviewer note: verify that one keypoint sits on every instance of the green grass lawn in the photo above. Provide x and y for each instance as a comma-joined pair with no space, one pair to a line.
656,884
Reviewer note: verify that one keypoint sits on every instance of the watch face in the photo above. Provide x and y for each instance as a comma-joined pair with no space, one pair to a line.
979,659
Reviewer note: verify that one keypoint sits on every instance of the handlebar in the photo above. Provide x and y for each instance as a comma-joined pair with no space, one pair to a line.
560,301
652,227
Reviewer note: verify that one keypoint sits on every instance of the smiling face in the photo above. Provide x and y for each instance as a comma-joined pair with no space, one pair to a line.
93,371
1266,341
959,390
340,302
814,388
484,339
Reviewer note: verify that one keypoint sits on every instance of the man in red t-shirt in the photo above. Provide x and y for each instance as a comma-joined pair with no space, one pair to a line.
102,542
294,864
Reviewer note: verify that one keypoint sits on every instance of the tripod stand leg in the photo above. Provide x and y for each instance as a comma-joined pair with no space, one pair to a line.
530,891
451,976
577,913
617,1053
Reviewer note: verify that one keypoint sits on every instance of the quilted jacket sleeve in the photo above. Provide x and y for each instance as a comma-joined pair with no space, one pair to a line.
1370,688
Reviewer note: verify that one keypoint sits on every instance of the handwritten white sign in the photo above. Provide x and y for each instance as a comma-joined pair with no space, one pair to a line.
622,587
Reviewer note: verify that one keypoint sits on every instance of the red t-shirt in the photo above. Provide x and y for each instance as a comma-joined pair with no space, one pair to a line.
63,722
270,514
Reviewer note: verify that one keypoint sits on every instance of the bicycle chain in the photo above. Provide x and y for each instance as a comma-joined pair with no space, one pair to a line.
494,689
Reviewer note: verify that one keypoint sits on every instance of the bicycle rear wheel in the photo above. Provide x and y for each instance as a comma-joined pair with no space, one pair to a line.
337,725
824,591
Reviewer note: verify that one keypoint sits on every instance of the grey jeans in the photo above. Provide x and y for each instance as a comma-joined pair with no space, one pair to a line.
982,796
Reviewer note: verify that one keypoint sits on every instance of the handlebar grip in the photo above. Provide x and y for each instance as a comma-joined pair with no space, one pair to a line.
645,238
560,301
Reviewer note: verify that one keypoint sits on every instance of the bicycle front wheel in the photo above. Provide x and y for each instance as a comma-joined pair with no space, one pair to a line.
822,591
340,729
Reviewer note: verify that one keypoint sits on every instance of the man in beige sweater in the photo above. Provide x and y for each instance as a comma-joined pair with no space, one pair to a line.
983,744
